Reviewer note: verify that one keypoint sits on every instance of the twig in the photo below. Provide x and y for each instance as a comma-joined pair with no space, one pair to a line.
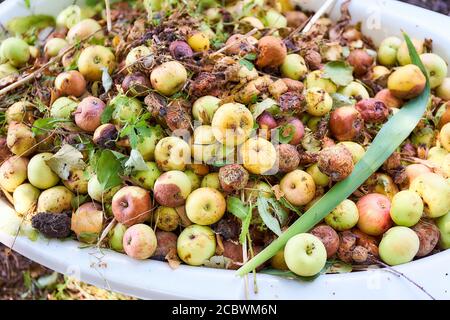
45,66
248,34
400,274
108,15
106,231
318,15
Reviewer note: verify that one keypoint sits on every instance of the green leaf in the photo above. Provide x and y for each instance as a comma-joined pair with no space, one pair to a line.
246,64
237,208
279,211
388,139
339,100
250,56
27,3
22,25
108,169
288,205
263,106
135,162
266,216
78,200
339,72
107,114
44,125
107,81
285,133
245,226
48,281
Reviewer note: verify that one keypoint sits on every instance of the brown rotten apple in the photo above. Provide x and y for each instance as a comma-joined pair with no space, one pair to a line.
346,123
172,188
272,52
88,113
131,205
336,162
361,61
233,177
372,110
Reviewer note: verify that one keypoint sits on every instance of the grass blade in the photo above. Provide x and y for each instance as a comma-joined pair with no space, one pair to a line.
391,135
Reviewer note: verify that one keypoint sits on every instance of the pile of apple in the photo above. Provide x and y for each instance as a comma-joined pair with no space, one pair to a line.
279,128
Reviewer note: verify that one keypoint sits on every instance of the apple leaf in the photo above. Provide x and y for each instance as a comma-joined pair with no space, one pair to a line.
107,114
237,207
135,162
107,81
262,106
65,160
339,72
108,169
264,212
247,64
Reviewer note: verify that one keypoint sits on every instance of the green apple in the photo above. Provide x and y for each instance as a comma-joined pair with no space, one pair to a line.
443,91
294,67
63,107
403,57
204,108
83,29
318,101
399,245
147,145
20,139
354,90
54,46
39,173
315,79
55,200
355,149
344,217
15,51
146,178
69,17
98,193
406,208
443,223
319,178
387,52
13,172
116,237
6,69
25,198
435,193
169,77
305,255
93,60
275,20
172,153
196,244
196,180
205,206
436,68
211,180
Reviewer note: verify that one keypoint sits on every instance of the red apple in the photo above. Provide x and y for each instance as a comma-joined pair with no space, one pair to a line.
88,113
374,214
293,124
131,205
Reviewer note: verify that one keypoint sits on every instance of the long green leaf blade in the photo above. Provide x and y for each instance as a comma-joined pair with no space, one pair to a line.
391,135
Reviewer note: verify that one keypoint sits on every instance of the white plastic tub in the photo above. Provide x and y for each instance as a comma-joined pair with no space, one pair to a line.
155,280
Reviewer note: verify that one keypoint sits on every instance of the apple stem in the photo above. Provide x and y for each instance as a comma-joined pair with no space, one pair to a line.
400,274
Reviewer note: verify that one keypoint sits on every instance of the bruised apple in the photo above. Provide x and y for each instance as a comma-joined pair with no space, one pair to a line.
87,222
374,214
172,188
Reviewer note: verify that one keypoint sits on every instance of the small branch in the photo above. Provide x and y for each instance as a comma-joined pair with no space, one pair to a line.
108,15
327,5
400,274
106,231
